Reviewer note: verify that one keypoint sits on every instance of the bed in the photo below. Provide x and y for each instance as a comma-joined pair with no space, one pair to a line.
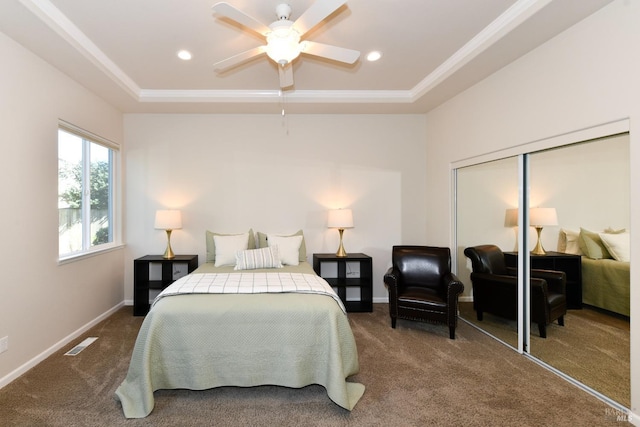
278,336
605,266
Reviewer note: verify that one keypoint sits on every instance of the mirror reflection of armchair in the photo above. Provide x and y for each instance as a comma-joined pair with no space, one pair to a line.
495,289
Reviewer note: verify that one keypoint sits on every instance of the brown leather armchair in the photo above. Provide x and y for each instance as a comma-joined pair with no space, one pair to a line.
495,289
422,287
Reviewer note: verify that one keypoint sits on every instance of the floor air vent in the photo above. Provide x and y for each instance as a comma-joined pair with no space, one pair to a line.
84,344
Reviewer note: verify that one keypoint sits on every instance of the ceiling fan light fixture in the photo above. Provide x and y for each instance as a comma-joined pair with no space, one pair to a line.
283,42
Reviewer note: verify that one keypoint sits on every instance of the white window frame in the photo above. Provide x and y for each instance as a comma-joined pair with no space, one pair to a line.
89,250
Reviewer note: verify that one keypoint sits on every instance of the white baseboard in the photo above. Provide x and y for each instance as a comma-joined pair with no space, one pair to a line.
57,346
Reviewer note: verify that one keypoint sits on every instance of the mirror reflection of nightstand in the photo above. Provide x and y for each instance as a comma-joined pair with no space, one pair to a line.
569,263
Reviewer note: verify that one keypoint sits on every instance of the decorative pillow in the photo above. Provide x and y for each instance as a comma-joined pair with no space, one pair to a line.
227,246
262,243
288,248
258,258
568,242
610,230
618,245
211,246
591,245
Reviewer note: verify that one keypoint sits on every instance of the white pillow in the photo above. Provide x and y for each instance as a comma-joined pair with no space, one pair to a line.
227,246
258,258
618,245
288,247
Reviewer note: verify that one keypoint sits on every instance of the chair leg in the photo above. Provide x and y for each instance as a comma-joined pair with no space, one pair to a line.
479,315
452,332
561,320
543,329
393,322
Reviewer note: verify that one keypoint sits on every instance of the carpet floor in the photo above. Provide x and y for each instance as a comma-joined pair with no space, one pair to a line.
592,347
414,376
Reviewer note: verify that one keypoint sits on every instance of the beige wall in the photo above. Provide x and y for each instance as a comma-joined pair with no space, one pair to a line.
231,172
585,77
42,303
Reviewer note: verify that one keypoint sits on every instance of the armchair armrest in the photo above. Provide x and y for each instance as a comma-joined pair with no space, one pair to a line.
453,285
391,278
556,280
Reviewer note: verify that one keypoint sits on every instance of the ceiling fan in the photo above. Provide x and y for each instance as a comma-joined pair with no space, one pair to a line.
283,37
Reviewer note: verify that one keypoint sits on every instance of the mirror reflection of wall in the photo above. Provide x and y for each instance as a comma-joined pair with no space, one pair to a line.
482,193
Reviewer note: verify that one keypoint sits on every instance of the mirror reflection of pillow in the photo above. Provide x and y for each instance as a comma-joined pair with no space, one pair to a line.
288,248
591,245
618,245
568,242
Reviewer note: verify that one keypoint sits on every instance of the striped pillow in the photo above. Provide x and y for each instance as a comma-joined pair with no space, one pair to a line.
258,258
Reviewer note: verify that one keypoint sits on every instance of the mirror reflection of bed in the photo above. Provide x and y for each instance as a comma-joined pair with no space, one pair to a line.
588,184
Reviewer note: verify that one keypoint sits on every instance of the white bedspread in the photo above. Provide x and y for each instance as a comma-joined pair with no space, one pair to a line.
250,283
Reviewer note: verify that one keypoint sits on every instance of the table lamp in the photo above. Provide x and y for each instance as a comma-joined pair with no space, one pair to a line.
538,218
168,220
340,219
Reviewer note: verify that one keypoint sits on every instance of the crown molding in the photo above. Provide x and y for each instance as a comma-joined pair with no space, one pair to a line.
66,29
520,11
268,96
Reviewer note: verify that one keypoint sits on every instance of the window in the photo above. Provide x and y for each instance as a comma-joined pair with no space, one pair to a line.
86,165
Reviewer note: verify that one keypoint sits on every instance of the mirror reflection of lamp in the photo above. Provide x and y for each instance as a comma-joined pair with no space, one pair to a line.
168,220
538,218
511,221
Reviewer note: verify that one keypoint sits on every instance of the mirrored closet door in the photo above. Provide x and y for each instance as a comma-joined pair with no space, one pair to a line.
586,185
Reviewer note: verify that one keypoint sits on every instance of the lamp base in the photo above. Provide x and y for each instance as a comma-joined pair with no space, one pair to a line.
341,252
538,250
168,253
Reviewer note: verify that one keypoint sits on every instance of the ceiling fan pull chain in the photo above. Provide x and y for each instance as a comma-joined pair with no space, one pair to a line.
285,119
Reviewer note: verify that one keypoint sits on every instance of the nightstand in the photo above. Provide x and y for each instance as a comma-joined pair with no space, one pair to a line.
569,263
142,282
353,271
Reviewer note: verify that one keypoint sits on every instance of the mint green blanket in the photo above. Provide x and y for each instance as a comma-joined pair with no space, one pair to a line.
606,284
199,342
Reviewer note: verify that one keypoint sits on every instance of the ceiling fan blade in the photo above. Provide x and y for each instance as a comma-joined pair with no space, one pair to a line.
286,75
336,53
238,59
226,10
316,13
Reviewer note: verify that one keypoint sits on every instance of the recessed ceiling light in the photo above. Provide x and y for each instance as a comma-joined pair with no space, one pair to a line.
185,55
373,56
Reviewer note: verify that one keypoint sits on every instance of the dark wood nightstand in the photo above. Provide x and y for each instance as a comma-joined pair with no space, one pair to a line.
351,271
558,261
142,283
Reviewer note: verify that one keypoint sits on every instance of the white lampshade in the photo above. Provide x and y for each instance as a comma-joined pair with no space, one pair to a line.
168,219
511,217
539,217
340,218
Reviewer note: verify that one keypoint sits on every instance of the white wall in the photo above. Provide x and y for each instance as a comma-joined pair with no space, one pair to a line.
584,77
41,302
229,173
